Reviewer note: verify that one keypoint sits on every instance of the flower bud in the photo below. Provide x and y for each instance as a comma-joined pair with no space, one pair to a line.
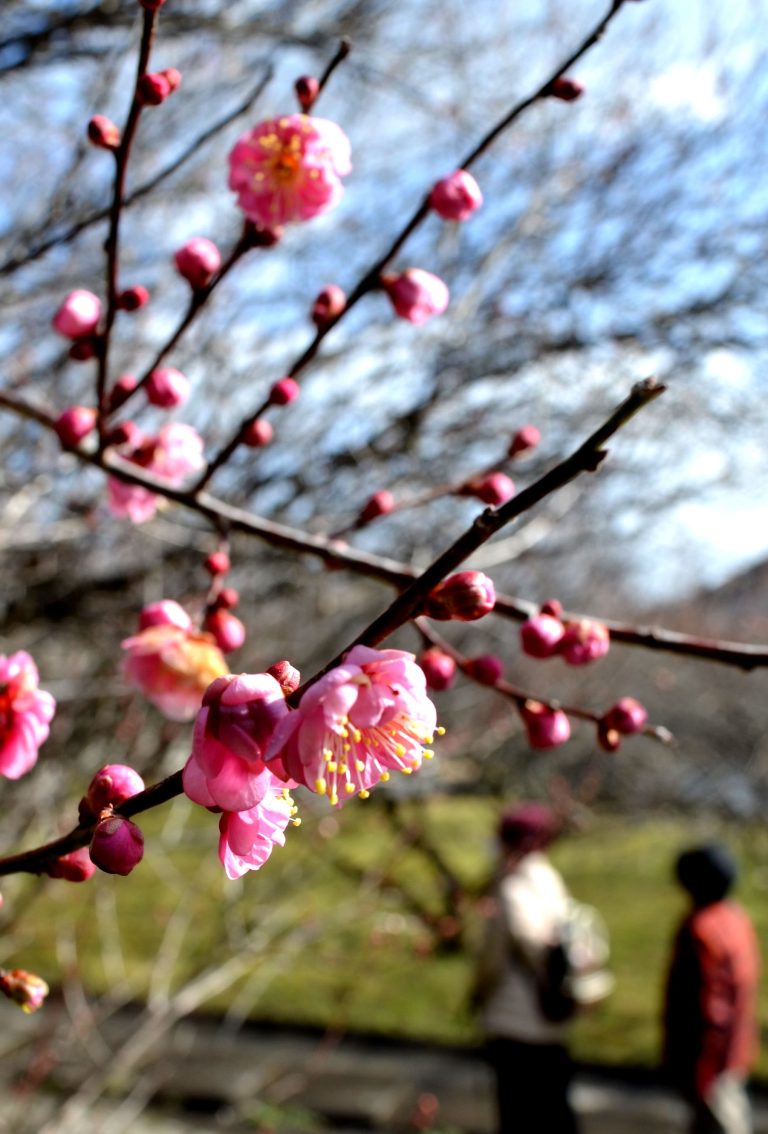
608,738
121,391
416,295
494,488
541,636
197,261
173,76
167,388
167,612
258,433
217,563
74,424
526,438
584,641
25,989
486,668
133,298
546,727
286,676
463,597
227,630
227,597
439,668
307,89
79,314
329,304
284,391
380,504
103,132
256,236
626,716
82,350
117,845
73,867
456,197
109,787
153,89
552,606
567,90
125,433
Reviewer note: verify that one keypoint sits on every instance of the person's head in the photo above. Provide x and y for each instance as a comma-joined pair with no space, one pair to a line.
527,827
707,873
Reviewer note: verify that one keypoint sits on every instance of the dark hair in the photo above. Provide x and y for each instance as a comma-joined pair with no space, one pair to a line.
528,827
707,872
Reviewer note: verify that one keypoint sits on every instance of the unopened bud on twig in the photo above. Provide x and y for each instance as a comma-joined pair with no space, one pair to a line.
228,598
197,261
328,305
286,676
121,391
167,388
380,504
23,988
546,727
79,314
526,438
540,636
463,597
103,132
307,89
74,424
258,433
217,563
486,668
567,90
494,488
626,716
133,298
456,197
112,785
73,867
416,295
584,641
117,845
284,391
153,88
167,612
439,668
227,630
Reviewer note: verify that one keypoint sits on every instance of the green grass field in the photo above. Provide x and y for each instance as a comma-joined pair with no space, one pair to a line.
332,932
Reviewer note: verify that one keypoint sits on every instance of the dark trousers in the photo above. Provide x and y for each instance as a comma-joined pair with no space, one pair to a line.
532,1082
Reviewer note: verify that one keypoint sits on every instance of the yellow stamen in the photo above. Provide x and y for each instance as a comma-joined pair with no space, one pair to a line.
320,786
364,794
349,788
384,777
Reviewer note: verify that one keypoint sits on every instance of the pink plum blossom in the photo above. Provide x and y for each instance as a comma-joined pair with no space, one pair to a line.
416,295
172,667
25,713
456,197
226,768
584,641
78,315
176,451
289,169
360,721
246,838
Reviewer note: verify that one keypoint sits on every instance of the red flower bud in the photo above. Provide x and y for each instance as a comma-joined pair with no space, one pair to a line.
494,488
307,89
109,787
217,563
197,261
73,867
439,668
227,597
526,438
328,305
584,641
103,132
254,236
609,739
227,630
153,89
167,388
463,597
82,350
79,314
552,606
167,612
456,197
258,433
173,77
26,989
416,295
133,298
380,504
540,636
487,669
626,716
117,845
74,424
546,727
121,391
284,391
565,89
125,433
286,676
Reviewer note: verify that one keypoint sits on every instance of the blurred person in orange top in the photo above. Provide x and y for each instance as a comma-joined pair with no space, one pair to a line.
710,1023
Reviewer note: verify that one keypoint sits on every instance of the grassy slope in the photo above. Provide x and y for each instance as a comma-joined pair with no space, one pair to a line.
348,954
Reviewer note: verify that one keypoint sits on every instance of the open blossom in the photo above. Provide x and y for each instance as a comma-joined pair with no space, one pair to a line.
172,667
246,838
289,169
360,721
233,729
25,713
176,451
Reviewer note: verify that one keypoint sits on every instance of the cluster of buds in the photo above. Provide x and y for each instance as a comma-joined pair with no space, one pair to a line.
117,845
577,641
153,88
225,628
624,718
